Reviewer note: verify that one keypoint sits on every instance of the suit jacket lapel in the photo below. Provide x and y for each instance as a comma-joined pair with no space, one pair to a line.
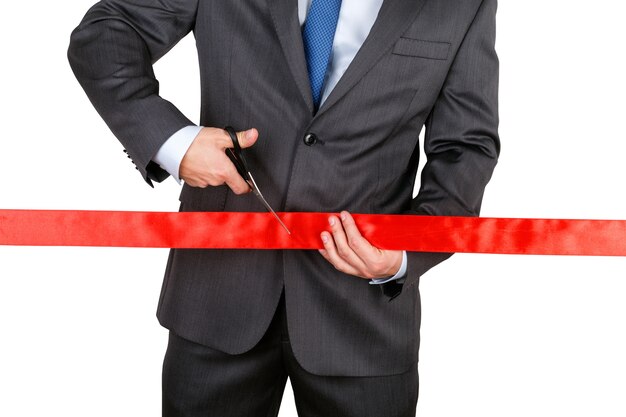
394,18
285,17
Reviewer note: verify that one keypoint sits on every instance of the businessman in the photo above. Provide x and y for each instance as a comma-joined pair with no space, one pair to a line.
328,99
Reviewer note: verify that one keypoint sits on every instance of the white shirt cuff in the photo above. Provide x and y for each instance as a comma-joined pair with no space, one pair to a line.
171,153
399,275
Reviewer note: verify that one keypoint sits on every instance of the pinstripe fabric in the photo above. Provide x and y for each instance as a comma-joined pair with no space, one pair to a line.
425,64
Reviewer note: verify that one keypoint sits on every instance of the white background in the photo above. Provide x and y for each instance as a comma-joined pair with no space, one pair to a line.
501,335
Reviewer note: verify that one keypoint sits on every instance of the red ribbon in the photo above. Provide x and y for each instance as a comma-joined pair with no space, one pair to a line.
261,231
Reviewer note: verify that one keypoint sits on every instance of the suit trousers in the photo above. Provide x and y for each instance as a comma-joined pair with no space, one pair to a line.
200,381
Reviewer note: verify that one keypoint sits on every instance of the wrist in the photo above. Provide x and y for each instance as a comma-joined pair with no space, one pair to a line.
396,265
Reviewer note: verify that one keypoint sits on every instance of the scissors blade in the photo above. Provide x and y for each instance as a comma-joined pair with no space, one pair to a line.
257,193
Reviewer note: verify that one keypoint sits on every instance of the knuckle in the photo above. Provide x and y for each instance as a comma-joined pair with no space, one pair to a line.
379,267
222,173
216,175
240,190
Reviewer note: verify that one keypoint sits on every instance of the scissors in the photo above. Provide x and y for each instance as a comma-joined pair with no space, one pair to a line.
236,156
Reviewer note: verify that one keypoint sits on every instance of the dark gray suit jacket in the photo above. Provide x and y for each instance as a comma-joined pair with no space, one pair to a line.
425,62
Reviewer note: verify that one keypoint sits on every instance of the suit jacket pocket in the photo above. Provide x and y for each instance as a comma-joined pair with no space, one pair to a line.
203,199
422,48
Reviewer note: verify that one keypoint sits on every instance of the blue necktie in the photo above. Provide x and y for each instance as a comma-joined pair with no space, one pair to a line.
318,34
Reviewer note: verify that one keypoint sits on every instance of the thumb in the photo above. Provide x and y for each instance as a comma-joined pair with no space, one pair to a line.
248,137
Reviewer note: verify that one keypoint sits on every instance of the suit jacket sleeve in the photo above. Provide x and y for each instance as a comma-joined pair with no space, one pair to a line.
461,140
112,52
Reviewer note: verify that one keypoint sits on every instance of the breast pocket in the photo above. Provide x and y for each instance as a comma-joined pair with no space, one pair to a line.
421,48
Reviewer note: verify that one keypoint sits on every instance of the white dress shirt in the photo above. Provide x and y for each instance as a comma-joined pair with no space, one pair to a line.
356,19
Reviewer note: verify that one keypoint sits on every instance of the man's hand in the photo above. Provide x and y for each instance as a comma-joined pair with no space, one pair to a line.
206,163
349,252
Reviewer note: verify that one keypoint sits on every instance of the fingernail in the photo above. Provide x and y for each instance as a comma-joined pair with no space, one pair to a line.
331,220
249,134
344,215
324,238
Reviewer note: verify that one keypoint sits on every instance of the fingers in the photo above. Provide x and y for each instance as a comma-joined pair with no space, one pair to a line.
233,179
330,254
348,251
337,252
341,244
361,247
236,183
247,138
206,164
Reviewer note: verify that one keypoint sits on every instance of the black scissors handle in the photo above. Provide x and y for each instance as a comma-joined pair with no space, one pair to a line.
236,154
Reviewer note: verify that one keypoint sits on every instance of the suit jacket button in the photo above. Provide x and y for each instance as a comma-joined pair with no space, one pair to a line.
310,139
